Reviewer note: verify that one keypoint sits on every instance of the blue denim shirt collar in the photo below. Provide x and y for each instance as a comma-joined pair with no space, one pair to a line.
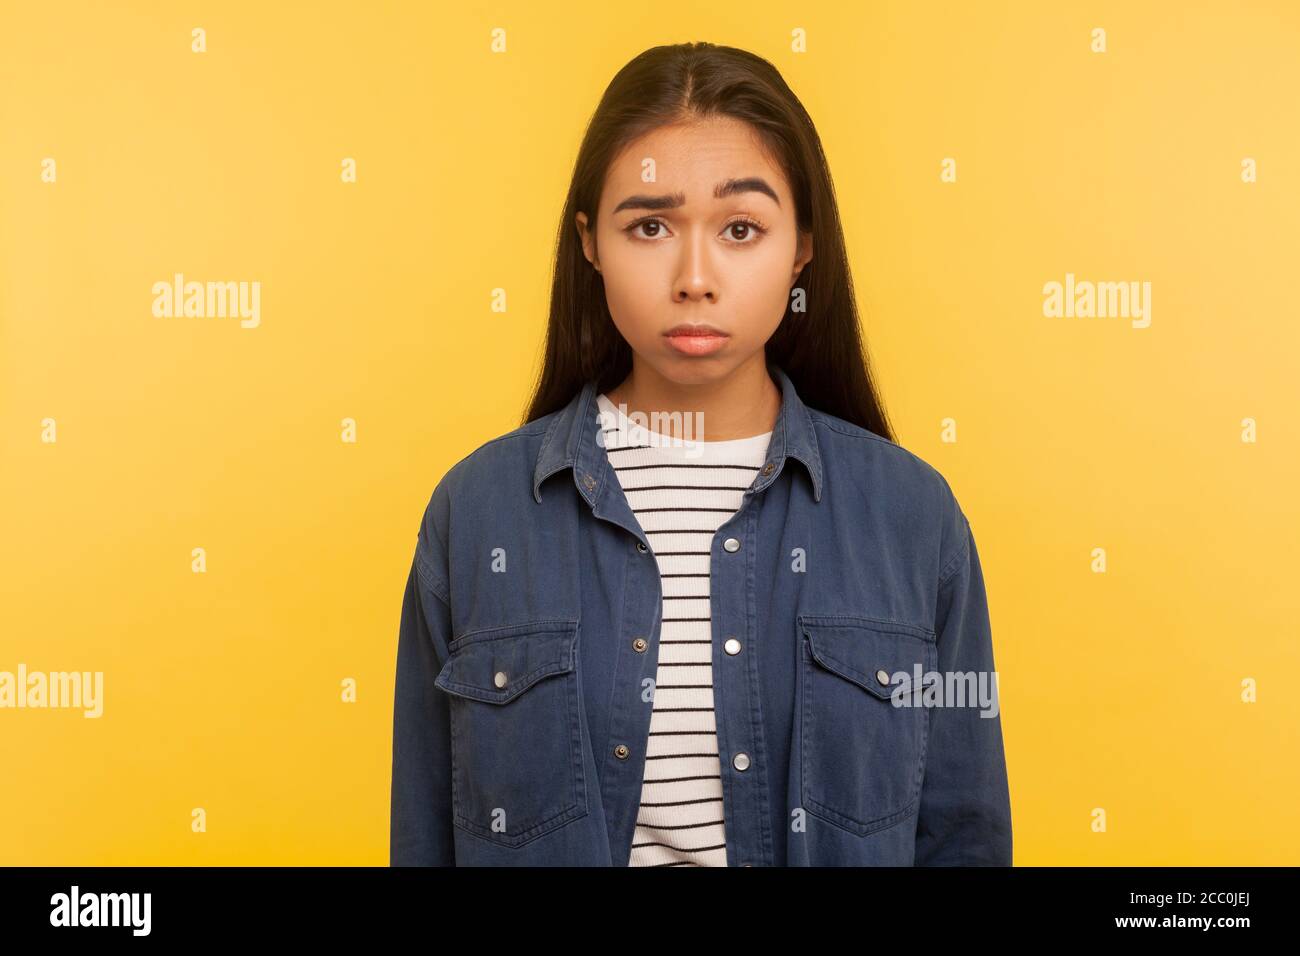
570,442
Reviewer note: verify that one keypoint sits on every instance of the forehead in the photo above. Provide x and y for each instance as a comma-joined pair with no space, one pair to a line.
692,157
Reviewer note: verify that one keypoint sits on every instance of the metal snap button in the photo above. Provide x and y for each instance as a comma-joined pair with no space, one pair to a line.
740,761
639,645
500,679
732,646
882,675
621,751
767,470
731,544
640,546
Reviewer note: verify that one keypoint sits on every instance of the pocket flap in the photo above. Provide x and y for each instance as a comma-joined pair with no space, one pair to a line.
863,650
496,665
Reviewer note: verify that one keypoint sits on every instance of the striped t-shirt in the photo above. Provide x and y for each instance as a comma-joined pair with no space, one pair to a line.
681,493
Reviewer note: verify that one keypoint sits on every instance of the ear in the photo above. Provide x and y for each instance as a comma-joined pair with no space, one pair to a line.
803,256
588,240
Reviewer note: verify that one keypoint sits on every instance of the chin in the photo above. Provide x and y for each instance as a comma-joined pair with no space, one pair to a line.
694,370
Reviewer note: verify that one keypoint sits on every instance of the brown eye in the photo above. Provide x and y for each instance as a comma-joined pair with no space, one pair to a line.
651,224
748,234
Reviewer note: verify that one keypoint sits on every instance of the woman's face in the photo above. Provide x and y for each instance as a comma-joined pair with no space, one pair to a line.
688,234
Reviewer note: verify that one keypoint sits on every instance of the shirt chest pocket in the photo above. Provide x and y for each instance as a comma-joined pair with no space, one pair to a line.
863,756
516,732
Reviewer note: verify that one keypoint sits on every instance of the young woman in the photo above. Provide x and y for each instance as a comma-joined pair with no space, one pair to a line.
673,618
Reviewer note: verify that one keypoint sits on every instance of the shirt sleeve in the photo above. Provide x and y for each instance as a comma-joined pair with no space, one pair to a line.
965,812
421,820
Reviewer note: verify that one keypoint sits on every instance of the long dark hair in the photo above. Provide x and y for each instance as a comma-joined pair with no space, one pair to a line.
819,349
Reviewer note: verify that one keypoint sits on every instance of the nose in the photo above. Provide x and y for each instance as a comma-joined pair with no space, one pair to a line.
695,276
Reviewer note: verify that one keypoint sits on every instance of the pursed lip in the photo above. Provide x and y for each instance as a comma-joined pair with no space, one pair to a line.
695,328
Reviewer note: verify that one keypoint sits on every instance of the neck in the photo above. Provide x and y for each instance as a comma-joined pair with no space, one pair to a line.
742,405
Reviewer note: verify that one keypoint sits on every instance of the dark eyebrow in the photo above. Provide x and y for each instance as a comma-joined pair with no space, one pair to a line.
728,187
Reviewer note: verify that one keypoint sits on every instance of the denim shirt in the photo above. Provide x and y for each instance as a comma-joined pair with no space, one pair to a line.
530,630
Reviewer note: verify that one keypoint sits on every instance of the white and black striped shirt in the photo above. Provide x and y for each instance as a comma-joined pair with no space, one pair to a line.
681,494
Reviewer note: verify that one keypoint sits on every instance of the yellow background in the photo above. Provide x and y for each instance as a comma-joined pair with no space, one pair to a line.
222,690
